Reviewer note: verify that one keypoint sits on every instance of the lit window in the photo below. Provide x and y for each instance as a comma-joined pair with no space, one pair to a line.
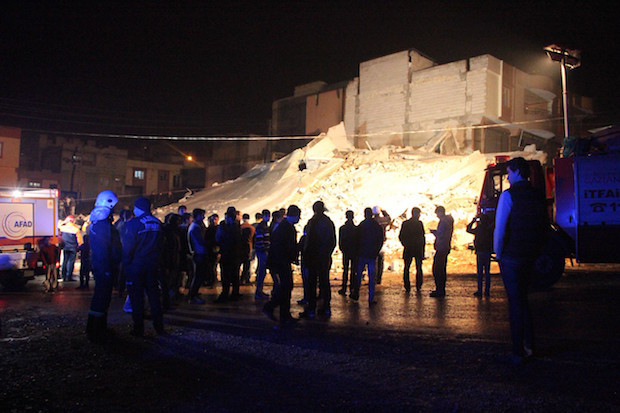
138,174
34,184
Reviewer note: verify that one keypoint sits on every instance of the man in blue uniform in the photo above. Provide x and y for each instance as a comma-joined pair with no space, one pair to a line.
142,243
105,248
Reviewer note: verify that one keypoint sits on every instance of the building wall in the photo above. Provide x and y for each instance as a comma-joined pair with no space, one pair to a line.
9,155
150,185
324,110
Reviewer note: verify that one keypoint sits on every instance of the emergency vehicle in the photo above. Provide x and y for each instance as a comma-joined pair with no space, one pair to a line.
26,216
583,198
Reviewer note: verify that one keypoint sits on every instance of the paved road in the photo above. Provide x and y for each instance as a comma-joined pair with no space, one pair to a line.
410,352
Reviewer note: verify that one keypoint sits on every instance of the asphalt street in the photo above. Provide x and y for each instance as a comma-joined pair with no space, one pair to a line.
409,352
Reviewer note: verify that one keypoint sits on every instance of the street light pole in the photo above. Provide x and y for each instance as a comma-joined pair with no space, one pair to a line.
567,58
564,97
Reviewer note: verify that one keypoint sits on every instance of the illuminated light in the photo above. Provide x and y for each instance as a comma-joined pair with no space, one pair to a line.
17,194
189,157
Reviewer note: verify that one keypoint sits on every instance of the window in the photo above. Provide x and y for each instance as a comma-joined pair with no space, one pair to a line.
34,184
139,174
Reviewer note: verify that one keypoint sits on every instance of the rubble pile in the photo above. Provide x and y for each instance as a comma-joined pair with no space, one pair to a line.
393,178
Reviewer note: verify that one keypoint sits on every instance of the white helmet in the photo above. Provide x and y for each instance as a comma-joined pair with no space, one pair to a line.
106,199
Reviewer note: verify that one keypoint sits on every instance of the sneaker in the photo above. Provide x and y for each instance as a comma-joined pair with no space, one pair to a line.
303,301
354,296
308,315
477,294
342,291
437,294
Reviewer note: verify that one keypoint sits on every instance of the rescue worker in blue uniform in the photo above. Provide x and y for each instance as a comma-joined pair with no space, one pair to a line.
105,246
142,244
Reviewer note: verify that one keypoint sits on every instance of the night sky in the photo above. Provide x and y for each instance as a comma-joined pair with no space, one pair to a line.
208,68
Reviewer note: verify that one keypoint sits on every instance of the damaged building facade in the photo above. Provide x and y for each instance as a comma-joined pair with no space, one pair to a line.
480,103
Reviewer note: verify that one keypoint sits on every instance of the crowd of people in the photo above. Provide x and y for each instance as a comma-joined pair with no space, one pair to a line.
163,260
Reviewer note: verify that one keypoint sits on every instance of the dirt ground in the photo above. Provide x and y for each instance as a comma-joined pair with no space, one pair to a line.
410,354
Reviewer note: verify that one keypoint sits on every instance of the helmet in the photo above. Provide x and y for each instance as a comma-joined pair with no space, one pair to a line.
106,199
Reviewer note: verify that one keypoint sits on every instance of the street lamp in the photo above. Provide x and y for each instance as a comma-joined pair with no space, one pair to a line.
567,58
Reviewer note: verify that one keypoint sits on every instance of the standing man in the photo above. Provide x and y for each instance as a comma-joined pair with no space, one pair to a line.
443,239
348,243
283,252
521,226
105,246
319,246
482,228
370,243
384,220
412,237
198,250
228,237
71,240
213,250
261,246
247,246
142,245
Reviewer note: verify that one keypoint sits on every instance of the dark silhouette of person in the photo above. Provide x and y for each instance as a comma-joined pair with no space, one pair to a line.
170,259
283,252
198,249
213,250
370,243
319,246
228,237
142,247
482,228
262,244
443,240
247,245
411,236
521,228
384,220
348,241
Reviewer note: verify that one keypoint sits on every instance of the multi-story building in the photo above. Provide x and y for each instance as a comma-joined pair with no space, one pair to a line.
407,99
9,155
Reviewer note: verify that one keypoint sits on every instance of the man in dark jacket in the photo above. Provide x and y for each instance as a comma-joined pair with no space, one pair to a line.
384,220
170,260
521,228
198,250
247,245
142,246
412,237
443,244
71,241
213,250
482,228
348,243
319,246
105,246
261,245
370,243
283,252
228,237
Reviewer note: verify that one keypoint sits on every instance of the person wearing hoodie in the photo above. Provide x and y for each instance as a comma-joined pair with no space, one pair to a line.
142,246
443,239
105,257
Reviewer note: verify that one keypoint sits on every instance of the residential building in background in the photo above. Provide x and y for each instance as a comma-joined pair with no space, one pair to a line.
9,155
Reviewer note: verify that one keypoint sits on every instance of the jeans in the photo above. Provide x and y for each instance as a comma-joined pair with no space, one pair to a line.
68,263
419,275
483,261
318,270
261,273
349,271
440,263
198,274
230,277
282,295
516,274
370,263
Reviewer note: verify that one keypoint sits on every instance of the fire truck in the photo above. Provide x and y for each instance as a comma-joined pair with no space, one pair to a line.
583,198
26,216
